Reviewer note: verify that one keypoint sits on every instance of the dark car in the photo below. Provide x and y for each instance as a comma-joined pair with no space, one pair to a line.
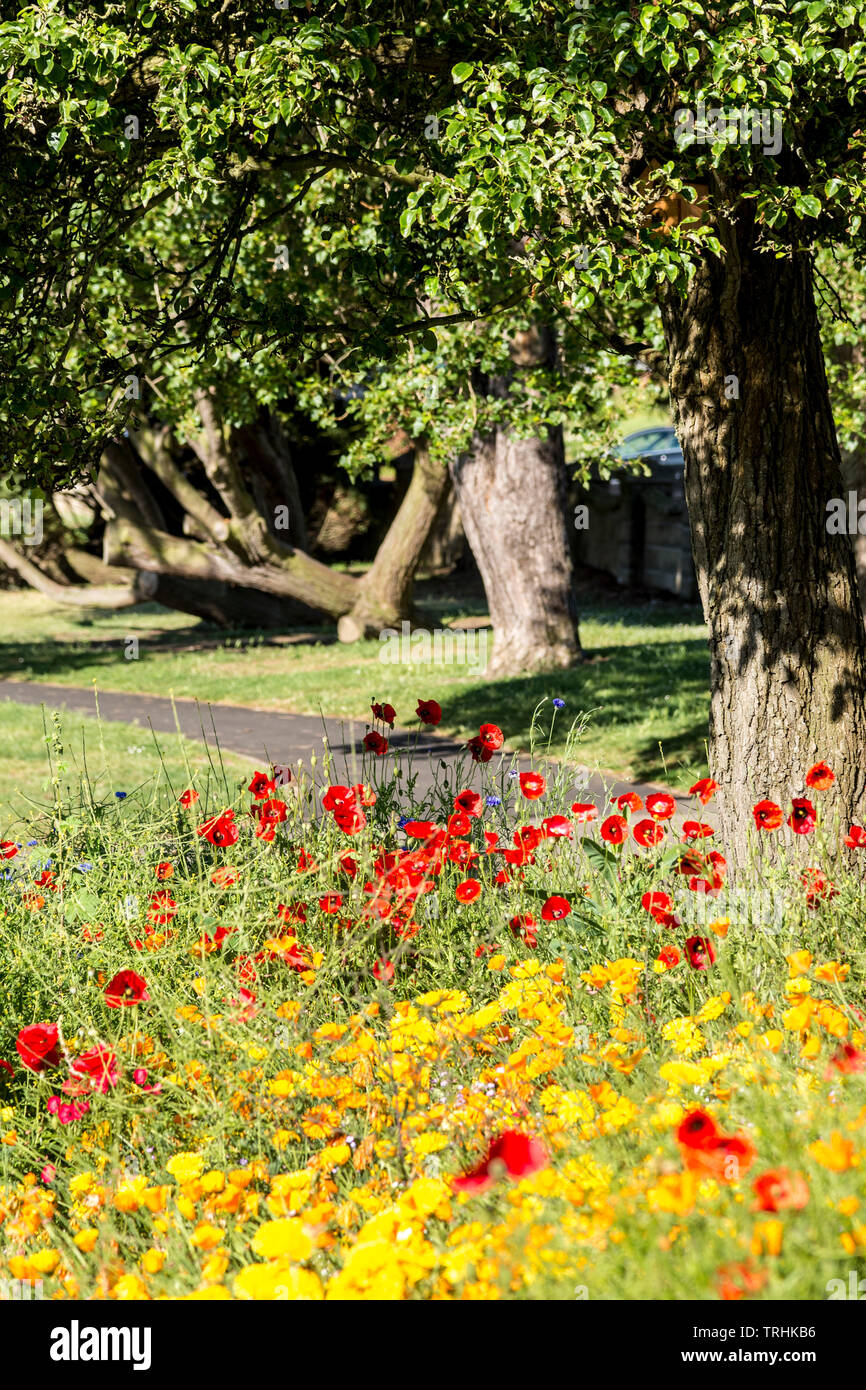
657,444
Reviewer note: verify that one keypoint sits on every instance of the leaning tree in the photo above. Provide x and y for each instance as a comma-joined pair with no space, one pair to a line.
526,153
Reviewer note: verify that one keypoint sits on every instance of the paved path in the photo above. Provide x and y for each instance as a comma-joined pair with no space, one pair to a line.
270,736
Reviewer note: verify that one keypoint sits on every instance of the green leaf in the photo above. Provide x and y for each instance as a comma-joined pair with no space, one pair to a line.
807,205
461,71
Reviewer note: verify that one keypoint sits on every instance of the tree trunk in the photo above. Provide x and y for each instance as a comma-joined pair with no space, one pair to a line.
854,480
787,644
512,498
385,592
446,544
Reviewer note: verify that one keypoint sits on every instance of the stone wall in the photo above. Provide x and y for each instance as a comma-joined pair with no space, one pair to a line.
637,530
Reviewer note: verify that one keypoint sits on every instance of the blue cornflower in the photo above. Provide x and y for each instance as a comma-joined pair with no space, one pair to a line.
403,821
121,796
558,704
30,843
84,867
492,801
513,772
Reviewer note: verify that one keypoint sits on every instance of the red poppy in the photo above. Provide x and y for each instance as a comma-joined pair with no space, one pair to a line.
95,1070
468,890
533,785
419,829
802,819
126,988
696,830
336,798
656,902
737,1281
164,871
584,811
848,1060
386,713
491,737
274,810
557,827
266,830
512,1155
555,909
491,840
8,849
365,794
820,777
384,970
726,1158
331,902
162,907
704,789
479,750
459,823
524,926
38,1046
629,801
668,956
189,797
350,819
614,829
261,785
375,743
468,802
647,833
780,1189
295,912
661,805
700,952
429,711
306,863
221,830
856,837
818,886
697,1130
768,816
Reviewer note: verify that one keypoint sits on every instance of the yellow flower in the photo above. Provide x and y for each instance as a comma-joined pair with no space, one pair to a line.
205,1236
799,962
767,1238
215,1265
713,1008
273,1282
185,1167
130,1287
837,1155
45,1261
286,1237
674,1192
85,1240
832,971
496,963
152,1261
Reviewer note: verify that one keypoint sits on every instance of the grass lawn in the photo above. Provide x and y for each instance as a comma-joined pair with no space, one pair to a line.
644,689
109,757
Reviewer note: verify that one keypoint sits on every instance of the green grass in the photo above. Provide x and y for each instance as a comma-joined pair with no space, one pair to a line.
644,688
112,757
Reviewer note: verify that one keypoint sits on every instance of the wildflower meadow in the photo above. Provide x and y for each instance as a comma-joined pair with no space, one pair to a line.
294,1041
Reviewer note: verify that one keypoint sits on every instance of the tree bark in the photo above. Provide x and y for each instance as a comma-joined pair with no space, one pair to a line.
512,498
779,593
385,591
